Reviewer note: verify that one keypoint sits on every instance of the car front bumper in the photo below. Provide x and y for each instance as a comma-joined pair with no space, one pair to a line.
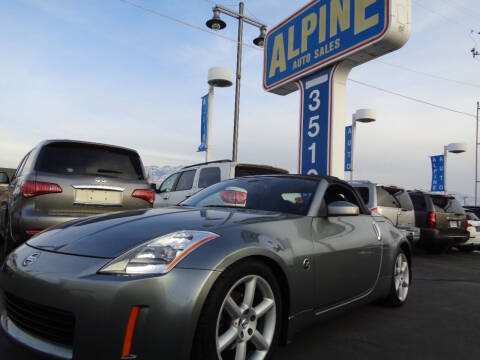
101,304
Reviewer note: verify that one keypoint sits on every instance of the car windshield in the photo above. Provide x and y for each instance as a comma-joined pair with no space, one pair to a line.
279,194
87,159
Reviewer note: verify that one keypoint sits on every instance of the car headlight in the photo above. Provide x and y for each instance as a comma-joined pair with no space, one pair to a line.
159,255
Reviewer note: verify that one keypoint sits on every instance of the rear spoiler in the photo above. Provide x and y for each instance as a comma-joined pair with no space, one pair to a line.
267,167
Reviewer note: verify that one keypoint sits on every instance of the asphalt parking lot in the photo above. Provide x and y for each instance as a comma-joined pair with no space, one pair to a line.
441,320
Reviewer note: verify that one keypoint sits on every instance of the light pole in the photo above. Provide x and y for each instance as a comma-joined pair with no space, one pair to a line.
454,148
476,154
217,77
216,23
363,116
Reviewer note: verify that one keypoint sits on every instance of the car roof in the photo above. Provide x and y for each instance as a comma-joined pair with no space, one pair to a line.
55,141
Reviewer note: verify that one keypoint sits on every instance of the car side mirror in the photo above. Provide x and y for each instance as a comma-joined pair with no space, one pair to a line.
153,186
343,208
4,179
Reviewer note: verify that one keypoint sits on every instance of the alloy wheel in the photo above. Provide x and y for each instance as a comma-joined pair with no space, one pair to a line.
246,321
402,277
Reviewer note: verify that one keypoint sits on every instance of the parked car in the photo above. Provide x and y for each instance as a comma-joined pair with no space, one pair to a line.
441,219
4,181
473,227
190,179
61,180
474,209
392,202
203,280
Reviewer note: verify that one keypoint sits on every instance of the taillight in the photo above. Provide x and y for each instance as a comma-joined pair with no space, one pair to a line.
432,220
35,188
145,194
234,197
469,224
374,210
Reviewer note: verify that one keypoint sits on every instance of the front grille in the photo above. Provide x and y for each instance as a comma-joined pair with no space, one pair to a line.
43,321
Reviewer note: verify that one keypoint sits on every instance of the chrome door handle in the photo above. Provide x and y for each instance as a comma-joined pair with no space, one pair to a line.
166,196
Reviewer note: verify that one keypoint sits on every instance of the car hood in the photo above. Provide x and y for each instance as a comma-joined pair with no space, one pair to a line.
109,236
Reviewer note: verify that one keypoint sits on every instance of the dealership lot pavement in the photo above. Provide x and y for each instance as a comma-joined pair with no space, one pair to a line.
441,320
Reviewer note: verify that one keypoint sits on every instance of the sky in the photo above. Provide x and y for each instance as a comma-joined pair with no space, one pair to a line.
109,72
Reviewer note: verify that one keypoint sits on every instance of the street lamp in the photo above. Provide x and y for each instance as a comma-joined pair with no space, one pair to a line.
217,77
454,148
363,116
216,23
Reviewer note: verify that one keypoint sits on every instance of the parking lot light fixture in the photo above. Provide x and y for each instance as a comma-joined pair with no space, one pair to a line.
363,116
454,148
217,24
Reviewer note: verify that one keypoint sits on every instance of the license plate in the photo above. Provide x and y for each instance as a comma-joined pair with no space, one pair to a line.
453,224
98,197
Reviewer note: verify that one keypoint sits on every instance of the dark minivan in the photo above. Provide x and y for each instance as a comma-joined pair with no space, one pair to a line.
441,219
61,180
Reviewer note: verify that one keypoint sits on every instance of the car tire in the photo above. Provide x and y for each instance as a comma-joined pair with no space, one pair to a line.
436,250
7,241
234,324
465,248
401,279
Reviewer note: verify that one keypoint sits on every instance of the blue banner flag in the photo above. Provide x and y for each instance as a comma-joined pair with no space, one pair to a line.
348,148
204,125
438,173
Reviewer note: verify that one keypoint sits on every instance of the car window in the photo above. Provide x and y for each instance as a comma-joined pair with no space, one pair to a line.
384,198
20,168
337,192
3,178
186,180
87,159
418,200
404,199
168,183
364,193
208,176
286,195
447,204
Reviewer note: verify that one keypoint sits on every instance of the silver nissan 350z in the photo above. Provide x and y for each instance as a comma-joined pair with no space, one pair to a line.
230,273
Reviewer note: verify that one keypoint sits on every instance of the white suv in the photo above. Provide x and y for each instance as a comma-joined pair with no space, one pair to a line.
392,202
188,180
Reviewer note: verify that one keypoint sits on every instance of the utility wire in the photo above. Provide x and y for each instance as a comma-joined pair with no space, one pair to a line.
412,98
428,74
171,18
459,8
441,15
460,5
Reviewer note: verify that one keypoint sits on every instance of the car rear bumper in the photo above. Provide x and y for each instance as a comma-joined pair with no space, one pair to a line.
443,238
101,305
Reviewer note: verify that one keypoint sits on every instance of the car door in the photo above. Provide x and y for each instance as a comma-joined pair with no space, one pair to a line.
183,188
406,216
347,251
167,186
387,205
